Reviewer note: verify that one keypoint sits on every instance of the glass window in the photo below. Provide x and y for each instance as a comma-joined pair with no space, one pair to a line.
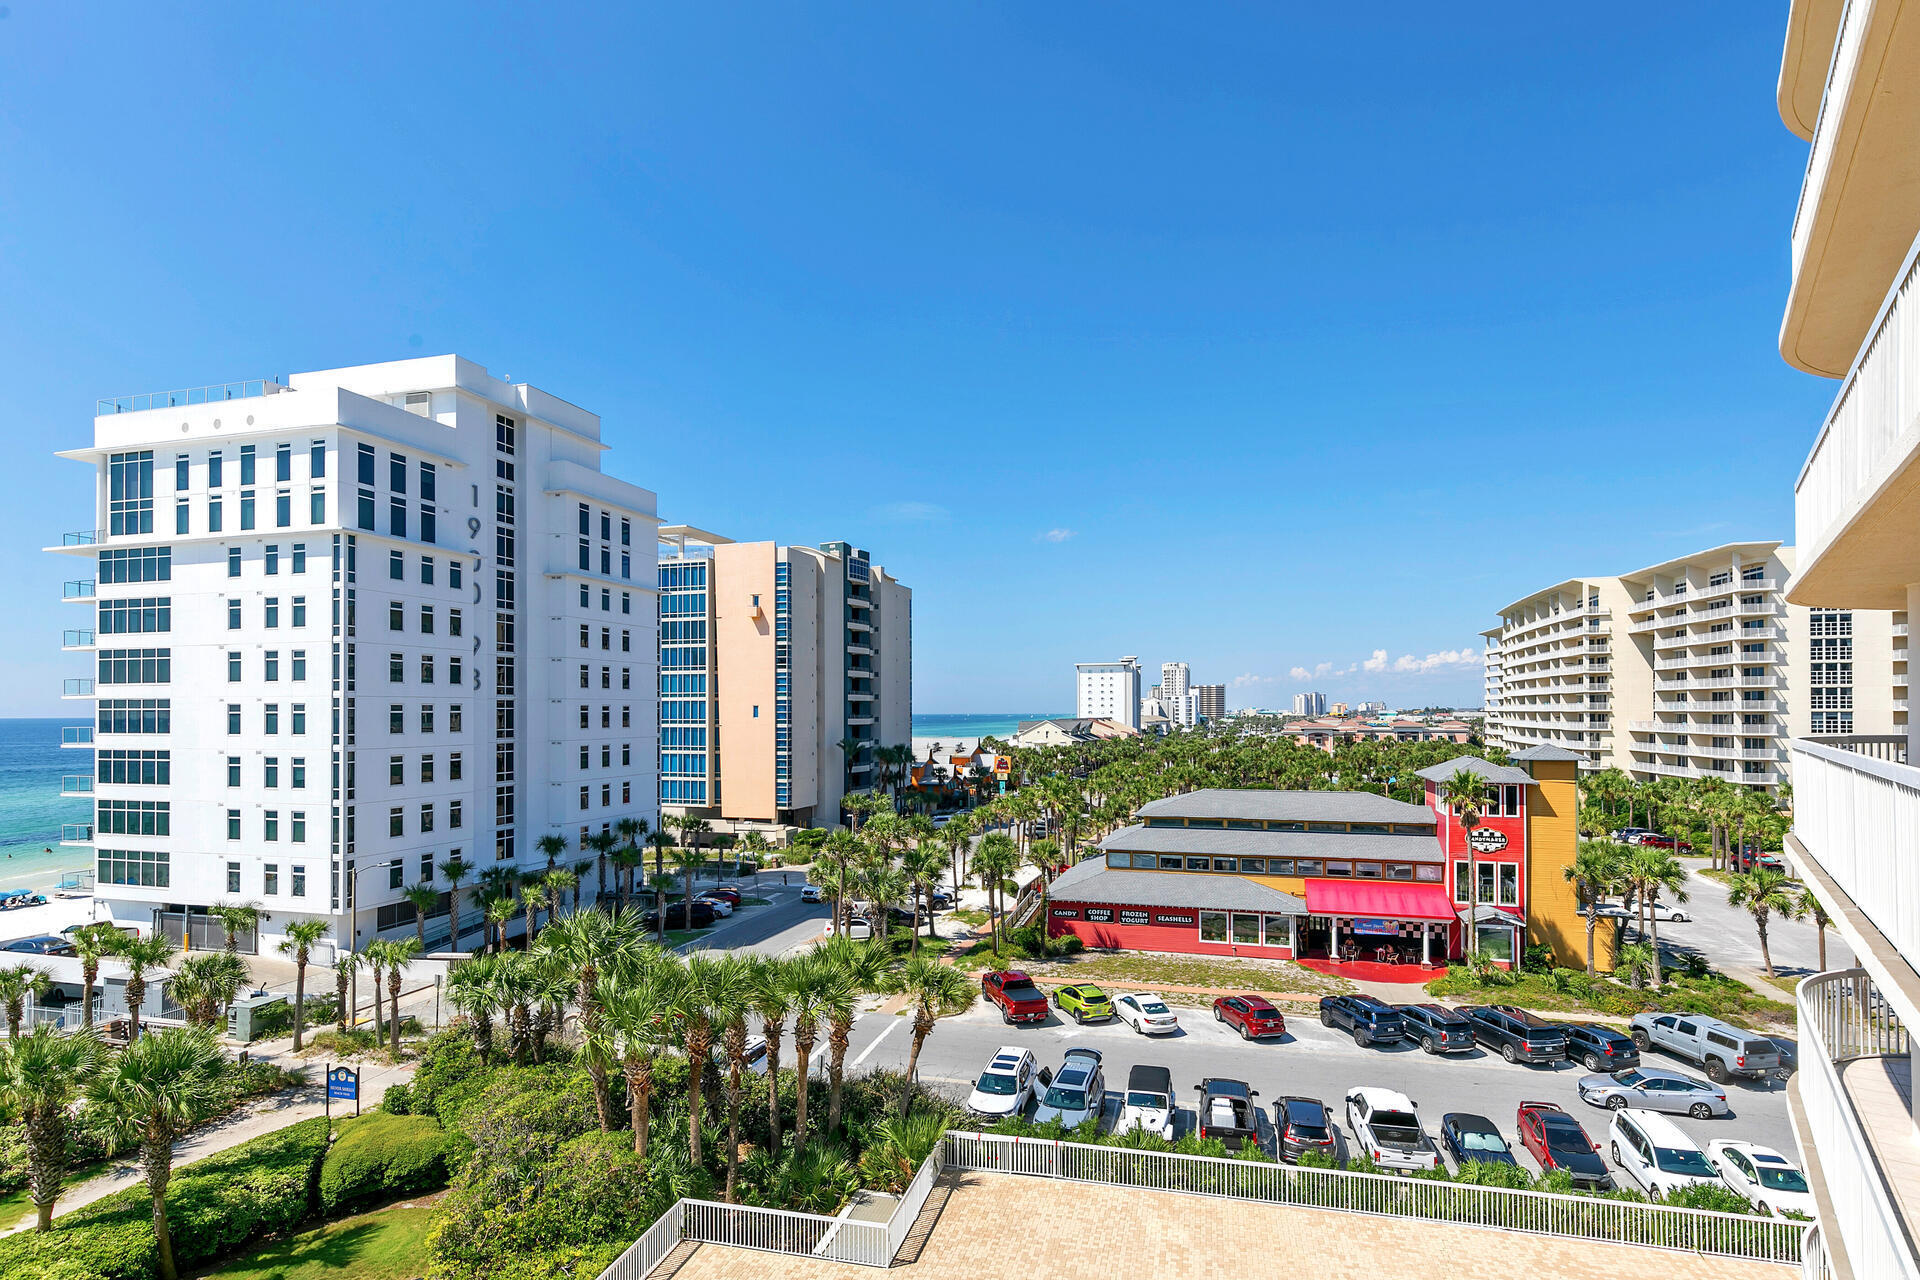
1366,870
1339,869
1213,926
1509,884
1246,929
1279,931
1226,864
1253,866
1199,864
1399,871
1307,867
1486,882
1170,863
1124,859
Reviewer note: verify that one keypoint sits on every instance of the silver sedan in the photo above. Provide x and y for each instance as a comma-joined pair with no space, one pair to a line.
1652,1089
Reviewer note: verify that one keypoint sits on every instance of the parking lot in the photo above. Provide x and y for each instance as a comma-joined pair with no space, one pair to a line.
1311,1060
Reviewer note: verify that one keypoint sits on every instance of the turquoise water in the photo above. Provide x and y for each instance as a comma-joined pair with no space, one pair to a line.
32,763
971,728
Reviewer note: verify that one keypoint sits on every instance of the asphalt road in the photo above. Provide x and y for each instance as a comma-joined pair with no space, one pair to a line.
1726,935
1310,1060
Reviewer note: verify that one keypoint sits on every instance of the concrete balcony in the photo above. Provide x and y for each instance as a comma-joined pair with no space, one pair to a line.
80,688
76,784
77,735
1852,1108
1858,198
81,542
79,592
77,640
1856,820
76,833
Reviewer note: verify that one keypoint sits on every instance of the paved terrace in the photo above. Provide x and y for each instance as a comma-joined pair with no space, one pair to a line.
996,1224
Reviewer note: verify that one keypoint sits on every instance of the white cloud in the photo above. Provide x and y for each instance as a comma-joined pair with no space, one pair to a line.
913,512
1248,680
1055,535
1296,673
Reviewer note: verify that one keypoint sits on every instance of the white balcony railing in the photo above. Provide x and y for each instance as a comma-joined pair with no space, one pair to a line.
1843,1019
1859,818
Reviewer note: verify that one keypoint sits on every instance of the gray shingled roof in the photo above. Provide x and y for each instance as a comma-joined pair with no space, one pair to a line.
1093,881
1287,806
1274,844
1491,772
1548,751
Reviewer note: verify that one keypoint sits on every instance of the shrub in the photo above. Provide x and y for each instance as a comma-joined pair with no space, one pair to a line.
215,1206
1708,1196
380,1157
397,1101
449,1075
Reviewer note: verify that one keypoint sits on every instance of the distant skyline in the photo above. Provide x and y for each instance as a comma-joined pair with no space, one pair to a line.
1287,344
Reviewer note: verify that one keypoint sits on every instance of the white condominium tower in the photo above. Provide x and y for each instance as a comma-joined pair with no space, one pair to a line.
783,672
349,629
1309,704
1176,694
1697,667
1850,86
1108,691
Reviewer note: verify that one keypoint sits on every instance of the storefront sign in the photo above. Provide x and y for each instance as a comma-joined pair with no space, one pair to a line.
1134,917
1066,913
1101,915
1166,919
1376,927
1487,840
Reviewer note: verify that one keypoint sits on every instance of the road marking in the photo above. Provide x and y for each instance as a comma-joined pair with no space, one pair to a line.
884,1033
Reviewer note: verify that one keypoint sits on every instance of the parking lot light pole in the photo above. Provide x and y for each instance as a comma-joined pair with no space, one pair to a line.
353,937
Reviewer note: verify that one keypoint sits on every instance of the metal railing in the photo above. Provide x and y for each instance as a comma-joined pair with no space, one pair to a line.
76,784
785,1231
189,395
83,537
1843,1018
914,1199
1858,817
76,735
1875,746
654,1244
78,589
76,833
1729,1235
78,687
81,638
1814,1263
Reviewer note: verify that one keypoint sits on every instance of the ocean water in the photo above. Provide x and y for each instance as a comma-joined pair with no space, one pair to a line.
32,763
971,728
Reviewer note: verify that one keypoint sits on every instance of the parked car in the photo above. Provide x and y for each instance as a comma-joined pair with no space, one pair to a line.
1654,840
1437,1028
1386,1128
756,1055
1663,912
1630,835
859,928
1651,1089
1227,1112
1720,1047
1753,857
1600,1048
1256,1018
1371,1020
677,915
1765,1177
45,944
1148,1104
812,893
1078,1091
1518,1035
938,899
1006,1085
1557,1141
721,907
1147,1013
1084,1002
1474,1138
726,891
1651,1150
1301,1125
1014,992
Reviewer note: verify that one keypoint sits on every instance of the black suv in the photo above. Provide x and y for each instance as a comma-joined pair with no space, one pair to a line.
1437,1028
1601,1048
1301,1125
677,916
1517,1034
1371,1021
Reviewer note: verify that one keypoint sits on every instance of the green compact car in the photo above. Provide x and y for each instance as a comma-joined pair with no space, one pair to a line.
1086,1002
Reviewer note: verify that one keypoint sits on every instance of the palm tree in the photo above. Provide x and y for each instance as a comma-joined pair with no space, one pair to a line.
994,859
533,897
1763,893
587,943
772,1001
1654,870
42,1074
808,983
922,865
1465,793
423,899
235,917
92,943
17,982
859,968
499,911
603,843
141,955
558,884
1809,905
579,872
699,1000
471,990
1047,858
686,861
345,965
638,1008
1594,871
660,842
298,943
751,842
730,996
932,989
151,1094
206,982
553,846
661,882
392,957
455,871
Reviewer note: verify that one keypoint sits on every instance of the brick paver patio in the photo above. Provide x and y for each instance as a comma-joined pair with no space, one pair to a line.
1004,1225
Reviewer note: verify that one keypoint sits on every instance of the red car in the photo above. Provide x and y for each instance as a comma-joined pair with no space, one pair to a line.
1014,992
1665,842
1557,1141
1256,1018
727,891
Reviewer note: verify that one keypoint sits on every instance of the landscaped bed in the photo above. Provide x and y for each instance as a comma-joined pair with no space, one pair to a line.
1150,970
1571,991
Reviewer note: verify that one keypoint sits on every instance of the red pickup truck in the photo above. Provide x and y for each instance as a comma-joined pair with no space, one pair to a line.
1014,992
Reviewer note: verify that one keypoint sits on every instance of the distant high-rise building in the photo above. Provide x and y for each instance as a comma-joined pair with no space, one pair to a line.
1108,691
1309,704
1210,702
1338,709
1175,694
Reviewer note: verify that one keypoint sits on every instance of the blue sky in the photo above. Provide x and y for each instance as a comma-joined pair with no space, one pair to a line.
1242,335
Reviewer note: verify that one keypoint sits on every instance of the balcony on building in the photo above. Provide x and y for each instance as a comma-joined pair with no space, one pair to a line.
76,833
76,735
80,592
79,542
77,688
76,784
77,639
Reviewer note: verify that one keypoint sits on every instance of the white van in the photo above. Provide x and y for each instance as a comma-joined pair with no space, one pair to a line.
1651,1150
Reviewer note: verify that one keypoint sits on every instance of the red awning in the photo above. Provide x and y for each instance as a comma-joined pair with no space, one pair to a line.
1380,900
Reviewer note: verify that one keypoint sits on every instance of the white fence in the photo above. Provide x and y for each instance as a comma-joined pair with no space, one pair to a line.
784,1231
908,1211
1859,818
646,1253
1536,1212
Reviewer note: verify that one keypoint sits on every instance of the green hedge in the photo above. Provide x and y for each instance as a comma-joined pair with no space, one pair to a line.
215,1207
381,1157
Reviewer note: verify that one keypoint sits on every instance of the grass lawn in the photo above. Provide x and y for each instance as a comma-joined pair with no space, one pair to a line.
745,901
387,1244
1139,970
16,1205
1714,995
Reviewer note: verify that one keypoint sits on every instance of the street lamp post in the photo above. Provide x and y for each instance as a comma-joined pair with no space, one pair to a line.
353,936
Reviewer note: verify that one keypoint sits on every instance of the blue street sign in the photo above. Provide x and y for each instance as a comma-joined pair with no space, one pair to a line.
343,1083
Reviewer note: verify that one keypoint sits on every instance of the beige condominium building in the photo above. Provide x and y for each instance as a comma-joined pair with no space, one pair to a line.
783,670
1697,667
1850,86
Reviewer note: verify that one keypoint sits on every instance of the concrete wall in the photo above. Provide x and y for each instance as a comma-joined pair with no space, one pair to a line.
744,677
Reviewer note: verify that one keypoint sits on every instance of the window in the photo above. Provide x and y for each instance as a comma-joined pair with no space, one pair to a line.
271,770
454,621
397,517
246,464
182,522
396,616
426,717
233,824
299,611
233,668
233,877
395,875
273,611
396,566
426,818
426,668
317,506
364,509
299,664
272,718
299,773
454,717
426,619
233,771
246,508
299,880
270,829
426,768
130,493
299,717
396,719
282,508
233,717
233,615
216,520
453,766
396,668
453,669
396,823
233,562
1213,926
426,570
272,664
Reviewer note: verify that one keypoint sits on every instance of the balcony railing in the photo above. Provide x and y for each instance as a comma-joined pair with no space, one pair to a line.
76,735
82,639
76,784
1844,1020
80,688
1859,818
76,833
189,395
83,537
82,589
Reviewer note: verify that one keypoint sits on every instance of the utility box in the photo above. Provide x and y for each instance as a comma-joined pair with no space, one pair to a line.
243,1015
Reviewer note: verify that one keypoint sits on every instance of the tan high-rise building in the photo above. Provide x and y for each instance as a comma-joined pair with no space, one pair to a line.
783,670
1210,701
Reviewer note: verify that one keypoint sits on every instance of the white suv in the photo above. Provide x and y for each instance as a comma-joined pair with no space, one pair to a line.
1006,1086
1650,1149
